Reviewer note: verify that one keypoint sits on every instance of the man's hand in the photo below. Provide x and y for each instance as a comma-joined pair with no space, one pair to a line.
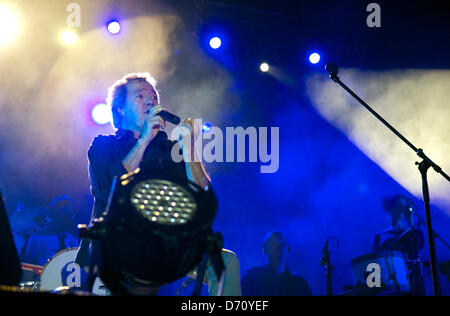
151,126
188,134
153,123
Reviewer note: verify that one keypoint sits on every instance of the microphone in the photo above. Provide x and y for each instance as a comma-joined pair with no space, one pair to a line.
332,69
169,117
413,210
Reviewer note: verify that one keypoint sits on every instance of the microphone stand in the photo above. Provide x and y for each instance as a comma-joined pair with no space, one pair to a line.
423,166
326,262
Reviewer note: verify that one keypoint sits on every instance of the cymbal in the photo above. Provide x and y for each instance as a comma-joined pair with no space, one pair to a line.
39,221
28,220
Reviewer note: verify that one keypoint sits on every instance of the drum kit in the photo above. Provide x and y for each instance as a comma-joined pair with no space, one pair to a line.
58,271
54,278
392,274
57,220
388,273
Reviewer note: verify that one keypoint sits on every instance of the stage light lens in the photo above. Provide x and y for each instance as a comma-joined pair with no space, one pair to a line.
68,37
113,27
168,209
215,42
9,24
264,67
101,114
314,58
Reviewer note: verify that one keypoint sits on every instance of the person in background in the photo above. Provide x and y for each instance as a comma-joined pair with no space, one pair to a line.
405,236
274,278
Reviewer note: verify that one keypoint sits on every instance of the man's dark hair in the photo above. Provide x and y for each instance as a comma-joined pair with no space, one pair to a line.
277,234
117,94
397,205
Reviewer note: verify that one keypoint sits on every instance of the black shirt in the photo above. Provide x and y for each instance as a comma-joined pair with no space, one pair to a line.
105,162
265,281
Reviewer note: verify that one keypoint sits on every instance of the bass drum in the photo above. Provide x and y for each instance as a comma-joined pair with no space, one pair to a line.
60,268
393,271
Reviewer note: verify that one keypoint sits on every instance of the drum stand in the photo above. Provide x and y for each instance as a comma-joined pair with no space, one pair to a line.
424,165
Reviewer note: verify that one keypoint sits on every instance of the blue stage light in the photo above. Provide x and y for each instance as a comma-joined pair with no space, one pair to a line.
206,127
314,58
215,42
113,27
101,114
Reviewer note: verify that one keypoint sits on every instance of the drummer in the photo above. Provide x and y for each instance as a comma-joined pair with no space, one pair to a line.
41,248
39,233
403,235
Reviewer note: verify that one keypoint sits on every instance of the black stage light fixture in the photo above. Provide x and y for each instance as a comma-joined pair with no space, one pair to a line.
155,230
10,269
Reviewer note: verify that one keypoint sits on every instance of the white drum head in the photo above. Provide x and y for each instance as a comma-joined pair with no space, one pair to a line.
53,272
51,277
